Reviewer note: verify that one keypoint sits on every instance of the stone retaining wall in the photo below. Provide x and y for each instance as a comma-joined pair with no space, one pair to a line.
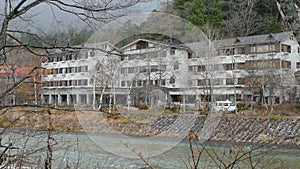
258,130
230,129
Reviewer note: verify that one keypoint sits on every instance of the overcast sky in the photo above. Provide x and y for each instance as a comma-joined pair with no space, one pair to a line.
45,17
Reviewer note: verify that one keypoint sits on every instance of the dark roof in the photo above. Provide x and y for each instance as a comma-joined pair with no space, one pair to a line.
272,37
169,44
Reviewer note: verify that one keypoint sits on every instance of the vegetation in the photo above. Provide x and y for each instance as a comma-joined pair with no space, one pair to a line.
231,18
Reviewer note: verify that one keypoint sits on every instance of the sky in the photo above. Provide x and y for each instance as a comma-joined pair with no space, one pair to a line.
45,18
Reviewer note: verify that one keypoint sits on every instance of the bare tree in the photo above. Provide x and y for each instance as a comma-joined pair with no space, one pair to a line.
242,19
14,16
290,13
105,78
265,78
209,67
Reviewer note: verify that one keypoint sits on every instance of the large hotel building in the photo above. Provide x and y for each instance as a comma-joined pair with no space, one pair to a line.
250,69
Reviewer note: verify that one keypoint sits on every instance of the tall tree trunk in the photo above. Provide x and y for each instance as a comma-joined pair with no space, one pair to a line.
290,13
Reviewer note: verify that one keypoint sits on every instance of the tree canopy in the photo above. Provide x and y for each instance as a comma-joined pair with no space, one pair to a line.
230,18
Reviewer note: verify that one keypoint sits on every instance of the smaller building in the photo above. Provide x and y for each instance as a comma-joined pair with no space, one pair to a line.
27,92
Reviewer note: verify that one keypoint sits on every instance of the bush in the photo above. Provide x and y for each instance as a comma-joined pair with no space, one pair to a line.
175,108
274,117
143,106
240,105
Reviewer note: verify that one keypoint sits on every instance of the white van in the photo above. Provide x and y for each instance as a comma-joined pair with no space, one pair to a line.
226,106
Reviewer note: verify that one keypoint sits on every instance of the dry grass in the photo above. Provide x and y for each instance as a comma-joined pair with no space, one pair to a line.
26,117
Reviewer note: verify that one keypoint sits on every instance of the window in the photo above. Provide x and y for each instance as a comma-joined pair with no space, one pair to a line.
241,81
285,48
75,56
262,48
286,64
73,70
172,51
124,57
191,55
104,46
56,71
85,68
221,52
64,83
193,68
218,82
128,83
271,47
131,70
298,64
154,68
229,51
124,70
141,45
172,80
123,83
92,54
192,82
241,50
139,83
202,82
176,66
253,49
134,83
84,82
239,65
201,68
98,67
230,81
228,66
74,82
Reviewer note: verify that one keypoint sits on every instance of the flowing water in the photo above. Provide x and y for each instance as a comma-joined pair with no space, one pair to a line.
84,151
91,155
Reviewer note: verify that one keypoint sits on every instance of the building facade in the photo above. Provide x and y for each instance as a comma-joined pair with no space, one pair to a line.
250,69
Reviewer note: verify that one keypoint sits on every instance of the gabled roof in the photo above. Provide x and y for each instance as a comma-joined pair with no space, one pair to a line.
272,37
82,47
167,44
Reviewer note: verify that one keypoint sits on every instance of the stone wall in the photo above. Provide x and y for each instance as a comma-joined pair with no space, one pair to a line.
230,129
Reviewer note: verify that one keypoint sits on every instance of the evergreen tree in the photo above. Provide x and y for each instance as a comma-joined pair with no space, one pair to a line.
206,14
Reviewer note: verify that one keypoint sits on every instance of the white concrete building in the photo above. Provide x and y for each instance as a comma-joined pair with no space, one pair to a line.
244,69
68,76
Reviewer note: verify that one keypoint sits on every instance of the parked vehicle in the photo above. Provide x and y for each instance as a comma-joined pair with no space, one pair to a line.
225,106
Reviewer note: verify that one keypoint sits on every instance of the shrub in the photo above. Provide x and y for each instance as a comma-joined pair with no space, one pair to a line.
240,105
274,117
143,106
175,108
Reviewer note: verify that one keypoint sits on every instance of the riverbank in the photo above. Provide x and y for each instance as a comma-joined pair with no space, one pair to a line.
252,130
277,130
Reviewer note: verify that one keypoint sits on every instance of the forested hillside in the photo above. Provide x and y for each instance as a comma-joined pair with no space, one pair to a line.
218,19
231,18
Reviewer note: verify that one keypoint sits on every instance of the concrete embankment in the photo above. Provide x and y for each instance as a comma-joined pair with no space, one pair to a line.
284,131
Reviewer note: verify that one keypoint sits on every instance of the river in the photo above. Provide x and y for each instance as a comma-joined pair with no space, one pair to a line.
86,151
